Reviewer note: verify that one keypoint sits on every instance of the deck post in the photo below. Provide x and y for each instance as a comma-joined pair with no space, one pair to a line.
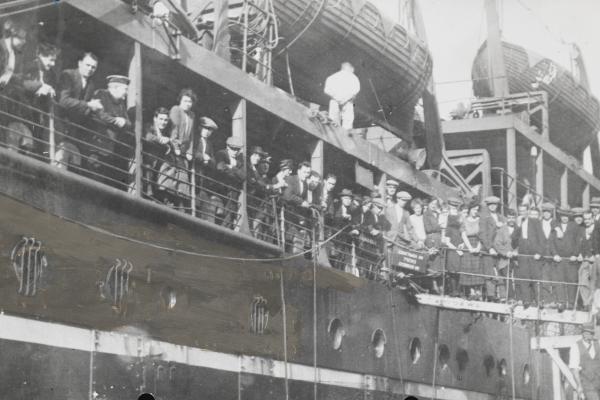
511,167
564,188
316,158
238,129
137,68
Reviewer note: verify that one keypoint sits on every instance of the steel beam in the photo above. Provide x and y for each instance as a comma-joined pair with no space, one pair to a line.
204,62
487,123
564,188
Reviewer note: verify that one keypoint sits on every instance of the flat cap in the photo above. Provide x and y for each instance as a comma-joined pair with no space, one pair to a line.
511,213
577,211
403,196
454,201
491,200
235,142
208,123
392,182
345,193
258,150
564,211
378,202
367,200
547,206
117,79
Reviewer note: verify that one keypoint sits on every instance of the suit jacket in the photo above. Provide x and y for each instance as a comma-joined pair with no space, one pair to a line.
198,155
504,242
590,246
533,244
570,242
112,110
73,97
401,227
487,230
179,132
231,176
292,193
33,74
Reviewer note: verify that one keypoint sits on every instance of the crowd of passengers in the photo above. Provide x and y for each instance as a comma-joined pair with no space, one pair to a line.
471,241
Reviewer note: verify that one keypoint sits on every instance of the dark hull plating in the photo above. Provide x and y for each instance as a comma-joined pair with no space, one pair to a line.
78,222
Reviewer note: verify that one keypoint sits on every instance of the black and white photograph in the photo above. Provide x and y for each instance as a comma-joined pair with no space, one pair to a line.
299,200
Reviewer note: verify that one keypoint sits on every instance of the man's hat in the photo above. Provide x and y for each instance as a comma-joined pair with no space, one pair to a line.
588,327
577,211
491,200
595,202
548,206
286,163
565,211
403,196
366,200
235,142
511,213
345,192
117,79
315,174
378,202
208,123
454,201
392,182
258,150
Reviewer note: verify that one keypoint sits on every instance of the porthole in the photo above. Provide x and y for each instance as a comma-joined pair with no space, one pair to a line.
526,375
502,367
146,396
443,356
462,359
336,333
415,350
378,343
489,364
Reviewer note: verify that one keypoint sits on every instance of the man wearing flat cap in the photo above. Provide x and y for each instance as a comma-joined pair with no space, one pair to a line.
204,167
397,214
489,223
550,258
232,173
114,129
568,236
285,169
584,362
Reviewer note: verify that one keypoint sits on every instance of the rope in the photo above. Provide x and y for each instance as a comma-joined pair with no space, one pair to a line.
285,353
312,20
512,357
193,253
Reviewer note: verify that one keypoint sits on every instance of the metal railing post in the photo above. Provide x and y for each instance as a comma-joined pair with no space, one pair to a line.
245,44
51,135
138,189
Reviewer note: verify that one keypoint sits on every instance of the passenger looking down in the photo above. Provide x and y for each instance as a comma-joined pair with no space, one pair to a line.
231,173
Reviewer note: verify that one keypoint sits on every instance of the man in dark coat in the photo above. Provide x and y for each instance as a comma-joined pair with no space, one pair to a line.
204,165
297,208
155,147
75,91
489,222
231,173
39,81
567,243
530,249
584,361
590,255
113,138
550,257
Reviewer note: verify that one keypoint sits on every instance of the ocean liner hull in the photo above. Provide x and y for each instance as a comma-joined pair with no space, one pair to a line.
574,113
183,325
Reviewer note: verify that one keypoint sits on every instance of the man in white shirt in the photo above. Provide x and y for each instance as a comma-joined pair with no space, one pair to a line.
584,362
342,87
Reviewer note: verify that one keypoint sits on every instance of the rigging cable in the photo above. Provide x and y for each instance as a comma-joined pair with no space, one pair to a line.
315,257
285,353
312,20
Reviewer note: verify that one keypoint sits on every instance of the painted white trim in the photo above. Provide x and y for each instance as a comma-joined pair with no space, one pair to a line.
136,345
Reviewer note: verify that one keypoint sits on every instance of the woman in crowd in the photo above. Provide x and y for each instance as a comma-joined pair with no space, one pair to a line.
470,284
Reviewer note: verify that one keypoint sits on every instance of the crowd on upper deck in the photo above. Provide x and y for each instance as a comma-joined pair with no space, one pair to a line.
484,254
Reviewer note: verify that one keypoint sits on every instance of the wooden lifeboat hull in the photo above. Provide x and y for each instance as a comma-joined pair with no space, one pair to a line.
393,66
574,114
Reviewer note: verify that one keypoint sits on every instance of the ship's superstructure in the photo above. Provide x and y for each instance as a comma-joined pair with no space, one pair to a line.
114,286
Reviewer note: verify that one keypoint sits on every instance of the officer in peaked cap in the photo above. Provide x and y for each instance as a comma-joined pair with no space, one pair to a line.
584,361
